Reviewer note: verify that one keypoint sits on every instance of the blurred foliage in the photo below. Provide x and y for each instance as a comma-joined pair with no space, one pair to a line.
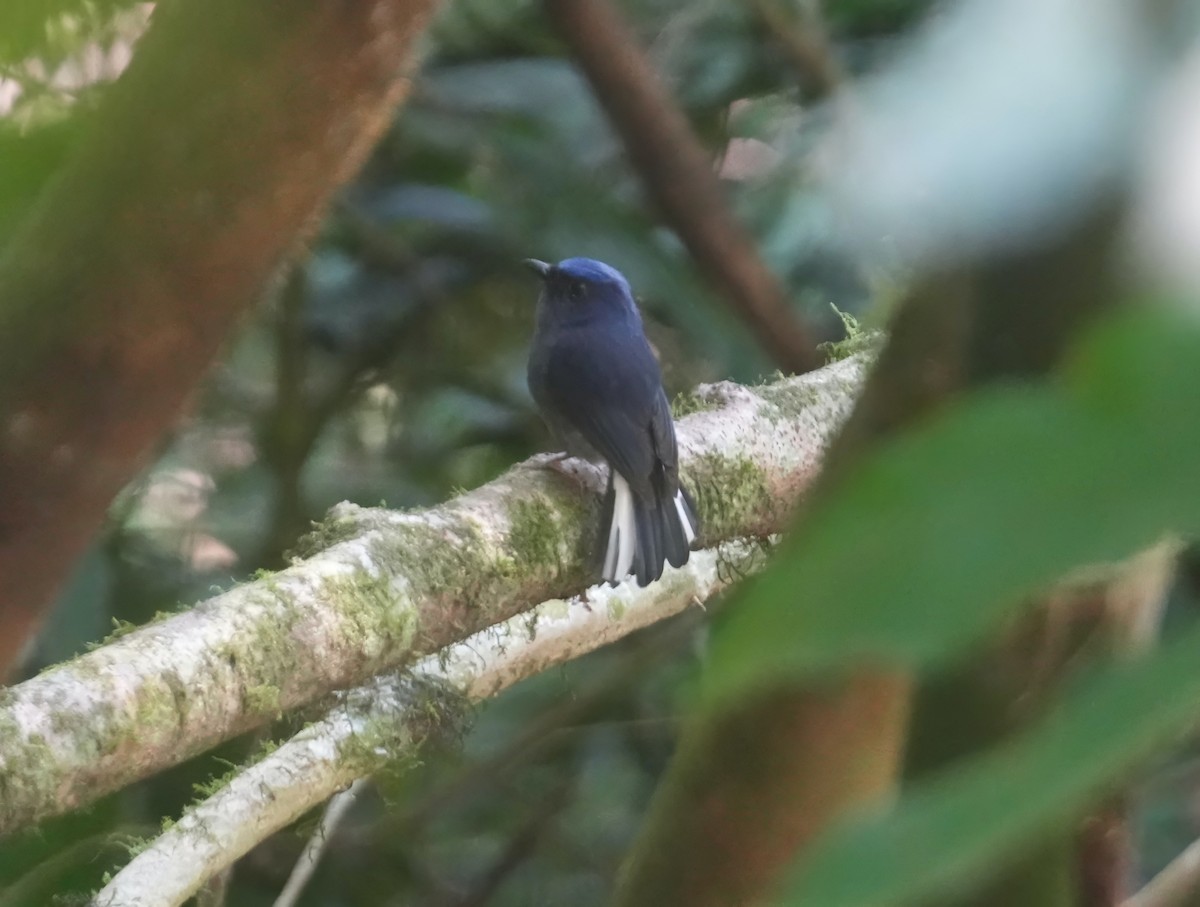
1049,466
51,30
1014,798
389,366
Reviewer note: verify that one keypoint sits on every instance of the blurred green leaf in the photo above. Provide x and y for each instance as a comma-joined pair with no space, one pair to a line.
957,828
51,27
933,538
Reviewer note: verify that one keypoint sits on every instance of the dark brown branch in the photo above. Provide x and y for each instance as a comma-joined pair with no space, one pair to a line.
218,146
678,175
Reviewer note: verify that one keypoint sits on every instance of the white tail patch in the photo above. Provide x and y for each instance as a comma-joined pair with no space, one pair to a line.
622,534
689,531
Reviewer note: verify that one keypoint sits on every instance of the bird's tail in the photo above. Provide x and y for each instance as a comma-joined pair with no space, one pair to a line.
642,535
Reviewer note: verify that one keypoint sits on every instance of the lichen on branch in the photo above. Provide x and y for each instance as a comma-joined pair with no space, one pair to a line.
379,589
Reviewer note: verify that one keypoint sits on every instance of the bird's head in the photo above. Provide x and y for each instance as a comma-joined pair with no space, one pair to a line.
582,289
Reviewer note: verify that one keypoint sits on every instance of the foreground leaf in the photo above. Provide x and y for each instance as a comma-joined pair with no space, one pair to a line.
955,829
931,540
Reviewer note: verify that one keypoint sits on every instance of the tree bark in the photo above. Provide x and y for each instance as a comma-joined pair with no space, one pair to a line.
210,156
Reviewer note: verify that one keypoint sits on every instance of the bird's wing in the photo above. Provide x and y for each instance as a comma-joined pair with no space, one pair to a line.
609,392
662,432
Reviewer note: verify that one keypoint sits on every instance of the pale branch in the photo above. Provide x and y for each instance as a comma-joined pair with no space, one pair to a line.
382,724
335,811
382,588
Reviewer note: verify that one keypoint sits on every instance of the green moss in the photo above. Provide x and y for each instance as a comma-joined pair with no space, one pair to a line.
262,699
157,711
616,608
732,495
206,789
326,533
555,608
372,622
427,713
689,402
534,533
858,339
30,759
791,397
120,628
131,844
547,535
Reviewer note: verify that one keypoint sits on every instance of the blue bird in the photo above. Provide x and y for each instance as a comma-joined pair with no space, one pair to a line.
598,386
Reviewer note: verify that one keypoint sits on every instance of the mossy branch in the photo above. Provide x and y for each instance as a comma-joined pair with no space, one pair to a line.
380,726
380,589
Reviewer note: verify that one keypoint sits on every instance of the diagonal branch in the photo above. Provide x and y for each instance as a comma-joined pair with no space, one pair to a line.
382,588
679,177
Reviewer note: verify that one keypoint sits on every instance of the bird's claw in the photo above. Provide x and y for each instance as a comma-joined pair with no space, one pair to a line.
574,470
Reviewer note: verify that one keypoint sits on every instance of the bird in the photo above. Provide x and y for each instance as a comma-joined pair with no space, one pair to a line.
597,384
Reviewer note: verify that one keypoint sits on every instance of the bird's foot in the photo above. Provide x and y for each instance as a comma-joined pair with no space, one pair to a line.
548,460
574,470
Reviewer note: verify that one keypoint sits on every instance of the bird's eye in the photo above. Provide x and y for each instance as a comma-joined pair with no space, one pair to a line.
577,290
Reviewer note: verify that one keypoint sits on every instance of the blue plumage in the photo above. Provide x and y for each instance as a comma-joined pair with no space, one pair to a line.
598,386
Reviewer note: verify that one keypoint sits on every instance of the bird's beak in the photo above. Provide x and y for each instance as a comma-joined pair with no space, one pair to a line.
538,267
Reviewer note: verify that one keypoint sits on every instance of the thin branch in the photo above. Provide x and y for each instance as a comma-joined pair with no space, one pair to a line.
381,725
382,588
679,177
335,811
284,440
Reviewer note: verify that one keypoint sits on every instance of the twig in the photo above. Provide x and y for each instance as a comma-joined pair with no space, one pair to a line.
679,176
337,809
285,441
382,724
